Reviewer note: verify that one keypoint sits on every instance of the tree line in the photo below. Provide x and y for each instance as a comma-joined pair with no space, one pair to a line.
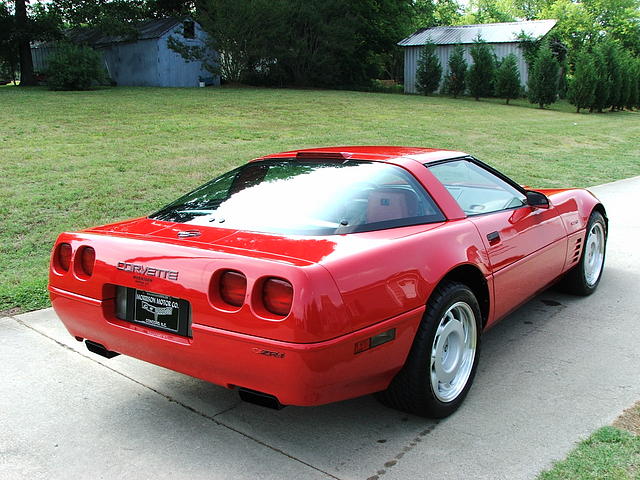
598,77
325,43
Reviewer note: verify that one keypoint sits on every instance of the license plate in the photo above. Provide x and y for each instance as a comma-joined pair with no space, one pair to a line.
158,311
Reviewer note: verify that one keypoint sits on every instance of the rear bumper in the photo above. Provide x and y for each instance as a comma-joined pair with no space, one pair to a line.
297,374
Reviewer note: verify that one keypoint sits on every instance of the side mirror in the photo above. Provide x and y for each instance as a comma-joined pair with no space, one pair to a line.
537,199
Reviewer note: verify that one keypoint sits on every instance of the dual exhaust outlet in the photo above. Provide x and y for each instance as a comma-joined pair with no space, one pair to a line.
246,394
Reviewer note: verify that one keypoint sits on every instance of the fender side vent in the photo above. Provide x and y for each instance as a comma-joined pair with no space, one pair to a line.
577,250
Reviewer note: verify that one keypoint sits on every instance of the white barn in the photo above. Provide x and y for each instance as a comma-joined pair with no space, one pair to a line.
503,37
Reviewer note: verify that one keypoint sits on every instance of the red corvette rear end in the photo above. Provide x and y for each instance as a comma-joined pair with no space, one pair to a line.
306,278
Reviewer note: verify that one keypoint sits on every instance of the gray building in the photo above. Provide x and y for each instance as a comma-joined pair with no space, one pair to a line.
142,58
503,37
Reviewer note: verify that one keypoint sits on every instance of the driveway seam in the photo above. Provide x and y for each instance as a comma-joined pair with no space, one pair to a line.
179,403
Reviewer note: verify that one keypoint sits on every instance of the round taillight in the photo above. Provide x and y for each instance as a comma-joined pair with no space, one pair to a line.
277,296
63,256
233,288
85,260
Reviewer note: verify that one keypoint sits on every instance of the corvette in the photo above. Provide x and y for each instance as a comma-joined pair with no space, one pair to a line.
313,276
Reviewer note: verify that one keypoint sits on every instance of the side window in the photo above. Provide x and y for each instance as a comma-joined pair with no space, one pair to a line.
475,189
189,29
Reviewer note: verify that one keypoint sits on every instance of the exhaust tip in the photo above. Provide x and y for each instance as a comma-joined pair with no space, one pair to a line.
260,398
99,349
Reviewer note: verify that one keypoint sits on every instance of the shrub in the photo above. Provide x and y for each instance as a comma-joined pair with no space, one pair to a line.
429,70
481,73
582,87
74,67
543,78
508,78
457,72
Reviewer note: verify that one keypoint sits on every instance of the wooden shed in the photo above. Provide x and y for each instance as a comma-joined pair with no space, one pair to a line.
503,37
143,58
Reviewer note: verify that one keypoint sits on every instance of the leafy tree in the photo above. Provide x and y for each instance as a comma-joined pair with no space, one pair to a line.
432,13
9,57
30,22
618,19
304,42
487,11
429,70
543,78
585,23
481,72
582,86
508,78
234,32
446,12
457,72
109,16
74,67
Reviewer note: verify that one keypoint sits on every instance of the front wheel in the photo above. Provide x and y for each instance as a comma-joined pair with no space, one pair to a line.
584,278
443,359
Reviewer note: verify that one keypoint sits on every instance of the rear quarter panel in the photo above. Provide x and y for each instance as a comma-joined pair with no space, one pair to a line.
381,278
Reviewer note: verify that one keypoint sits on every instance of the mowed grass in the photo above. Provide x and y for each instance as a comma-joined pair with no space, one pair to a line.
609,454
69,160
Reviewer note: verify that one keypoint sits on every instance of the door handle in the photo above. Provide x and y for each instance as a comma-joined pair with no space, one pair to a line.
493,237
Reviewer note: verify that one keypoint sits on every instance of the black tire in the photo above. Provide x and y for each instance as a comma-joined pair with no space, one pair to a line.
577,280
412,388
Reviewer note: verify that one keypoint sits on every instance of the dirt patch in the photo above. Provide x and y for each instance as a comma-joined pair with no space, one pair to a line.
10,312
630,419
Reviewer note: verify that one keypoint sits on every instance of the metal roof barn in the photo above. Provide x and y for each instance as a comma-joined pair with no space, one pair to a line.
503,37
142,58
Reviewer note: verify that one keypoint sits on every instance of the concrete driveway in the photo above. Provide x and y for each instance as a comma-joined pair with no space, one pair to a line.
550,374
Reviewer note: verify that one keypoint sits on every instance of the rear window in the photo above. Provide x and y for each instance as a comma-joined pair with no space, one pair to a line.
307,198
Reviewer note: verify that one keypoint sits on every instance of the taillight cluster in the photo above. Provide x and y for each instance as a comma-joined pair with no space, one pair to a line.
233,288
83,262
270,296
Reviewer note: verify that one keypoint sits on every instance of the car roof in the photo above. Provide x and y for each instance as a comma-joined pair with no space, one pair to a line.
380,153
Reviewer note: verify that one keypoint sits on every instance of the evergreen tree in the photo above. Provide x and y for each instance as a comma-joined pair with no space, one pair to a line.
601,94
543,78
582,86
508,78
634,87
626,67
457,72
429,70
481,72
612,55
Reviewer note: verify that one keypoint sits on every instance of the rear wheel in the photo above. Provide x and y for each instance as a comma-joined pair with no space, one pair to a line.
584,278
443,359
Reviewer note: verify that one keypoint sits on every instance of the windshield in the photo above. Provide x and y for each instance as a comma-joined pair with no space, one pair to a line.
307,198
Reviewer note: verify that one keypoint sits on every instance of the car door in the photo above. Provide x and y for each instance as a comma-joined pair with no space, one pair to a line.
526,245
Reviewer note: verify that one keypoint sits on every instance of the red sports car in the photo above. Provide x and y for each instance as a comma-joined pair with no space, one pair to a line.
312,276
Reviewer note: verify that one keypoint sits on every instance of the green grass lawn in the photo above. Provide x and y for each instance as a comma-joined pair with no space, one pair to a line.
69,160
609,454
